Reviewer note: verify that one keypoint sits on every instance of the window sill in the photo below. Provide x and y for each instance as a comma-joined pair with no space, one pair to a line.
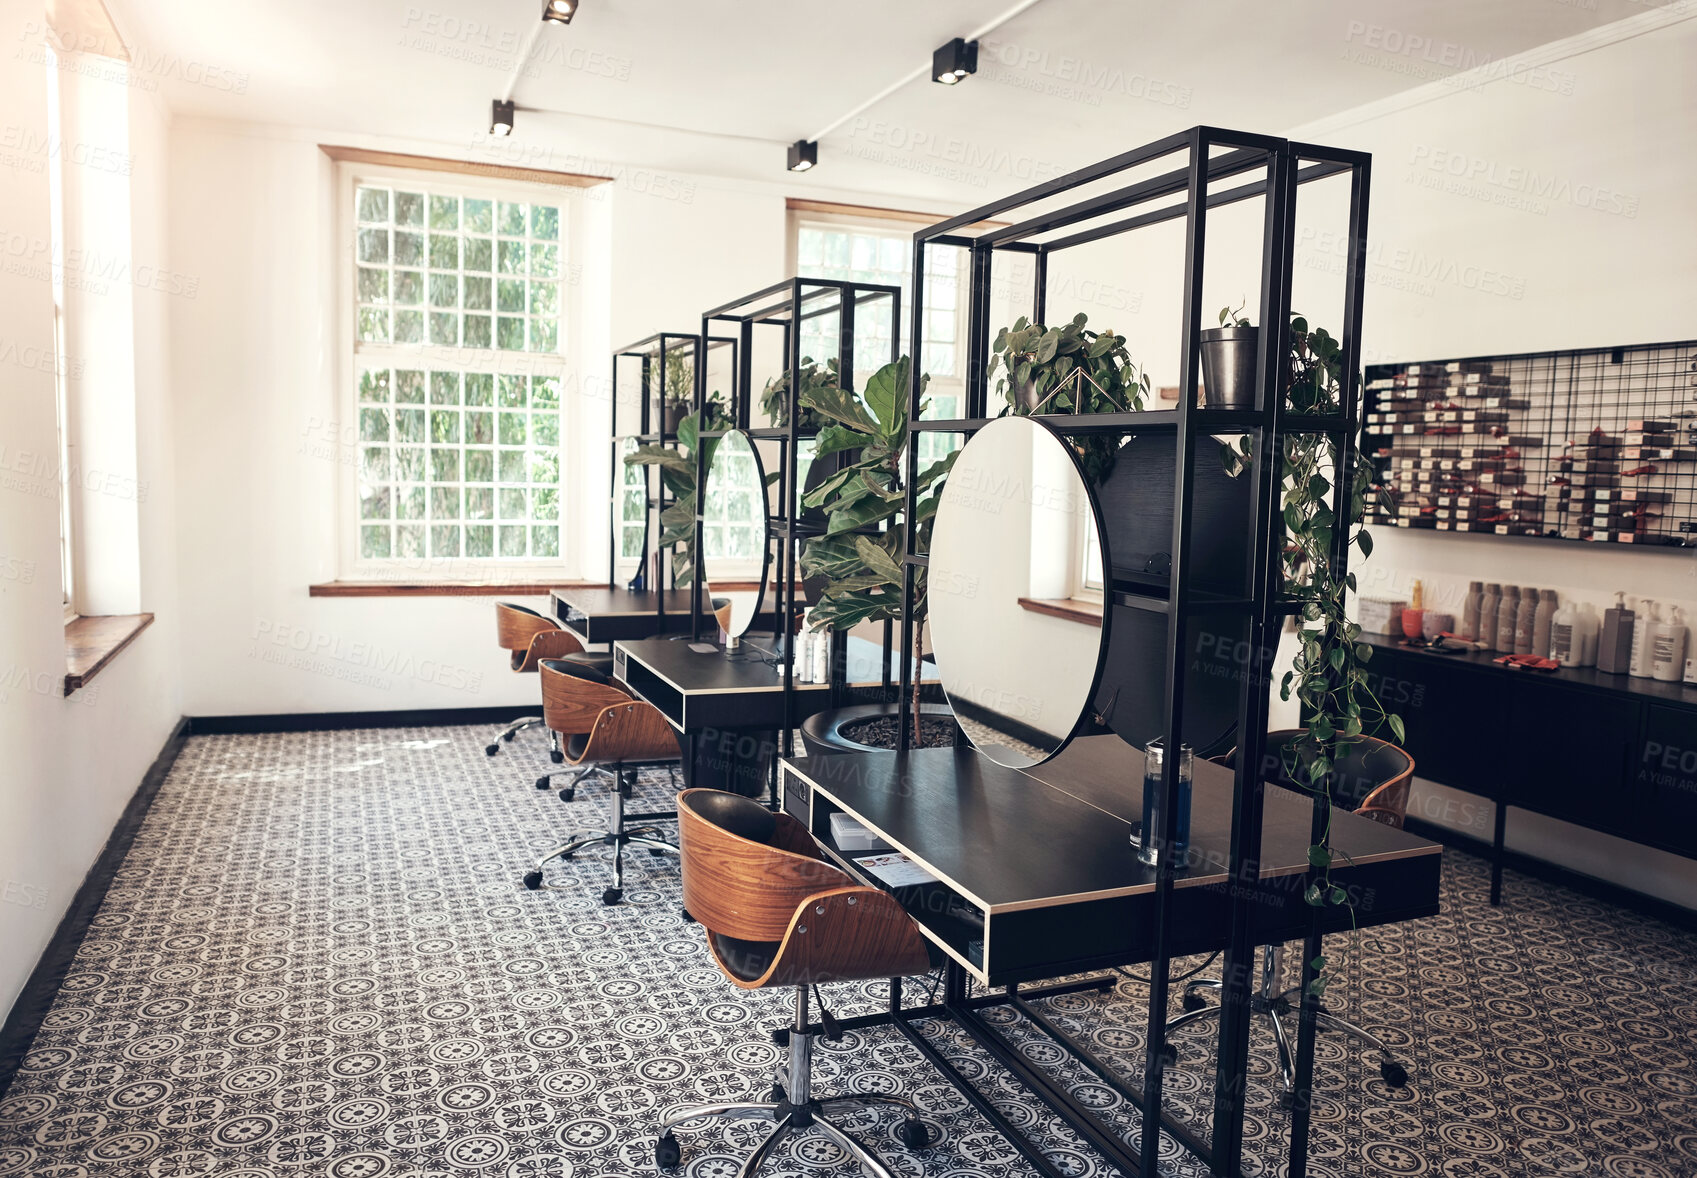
444,589
1072,609
91,643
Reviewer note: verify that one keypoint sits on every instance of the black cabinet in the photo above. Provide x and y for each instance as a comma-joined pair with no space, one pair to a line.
1664,773
1604,752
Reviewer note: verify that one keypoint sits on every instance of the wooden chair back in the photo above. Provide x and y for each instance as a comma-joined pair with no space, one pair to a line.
747,888
571,706
632,732
1374,774
515,626
546,644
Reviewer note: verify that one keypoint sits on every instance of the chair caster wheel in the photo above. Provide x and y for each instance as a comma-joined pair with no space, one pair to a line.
568,794
556,756
654,853
533,880
688,919
1393,1073
667,1155
1287,1100
778,1095
913,1133
1169,1055
491,750
542,783
612,896
1194,1001
508,736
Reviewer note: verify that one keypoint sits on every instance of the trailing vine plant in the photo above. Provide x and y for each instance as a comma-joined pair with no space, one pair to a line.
677,472
865,535
1328,676
1069,369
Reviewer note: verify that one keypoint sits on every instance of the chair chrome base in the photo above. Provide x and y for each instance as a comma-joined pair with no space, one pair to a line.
795,1111
1272,1004
510,731
619,837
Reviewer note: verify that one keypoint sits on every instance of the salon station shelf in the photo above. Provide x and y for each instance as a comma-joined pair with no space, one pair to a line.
701,690
1610,753
1007,915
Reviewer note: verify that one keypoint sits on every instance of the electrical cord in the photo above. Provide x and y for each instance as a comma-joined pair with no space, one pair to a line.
1183,977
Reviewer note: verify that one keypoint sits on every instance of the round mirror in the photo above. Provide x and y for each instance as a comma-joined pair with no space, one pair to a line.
1016,534
632,524
734,551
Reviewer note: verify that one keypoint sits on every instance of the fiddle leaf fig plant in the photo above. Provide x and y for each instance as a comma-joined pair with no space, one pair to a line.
677,472
1069,369
865,535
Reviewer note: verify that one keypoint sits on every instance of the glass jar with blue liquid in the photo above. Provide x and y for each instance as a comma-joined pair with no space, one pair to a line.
1154,756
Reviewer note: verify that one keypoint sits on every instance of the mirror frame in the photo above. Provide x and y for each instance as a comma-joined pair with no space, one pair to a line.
763,501
1088,704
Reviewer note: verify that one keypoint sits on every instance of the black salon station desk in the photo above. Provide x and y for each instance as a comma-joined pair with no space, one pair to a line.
602,614
1037,876
699,691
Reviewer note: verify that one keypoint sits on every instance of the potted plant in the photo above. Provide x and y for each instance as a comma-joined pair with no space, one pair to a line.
1228,362
774,399
1069,369
677,472
678,393
860,553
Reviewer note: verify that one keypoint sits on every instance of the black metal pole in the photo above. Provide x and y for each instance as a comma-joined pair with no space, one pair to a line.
1178,655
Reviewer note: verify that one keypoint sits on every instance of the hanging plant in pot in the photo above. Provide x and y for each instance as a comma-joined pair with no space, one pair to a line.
1228,362
1069,369
1328,676
860,554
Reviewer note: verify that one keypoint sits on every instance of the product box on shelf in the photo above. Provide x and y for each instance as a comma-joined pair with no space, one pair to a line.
1380,615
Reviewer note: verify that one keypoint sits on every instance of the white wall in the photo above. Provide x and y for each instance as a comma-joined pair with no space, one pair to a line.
72,764
1608,257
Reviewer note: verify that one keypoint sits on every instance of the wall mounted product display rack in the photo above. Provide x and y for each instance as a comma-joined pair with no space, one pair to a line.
1596,445
1181,178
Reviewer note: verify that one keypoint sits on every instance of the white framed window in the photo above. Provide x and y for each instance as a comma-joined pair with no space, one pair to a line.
1088,581
61,382
871,249
457,291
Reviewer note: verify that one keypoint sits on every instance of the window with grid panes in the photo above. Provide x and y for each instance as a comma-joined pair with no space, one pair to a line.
458,373
883,253
633,504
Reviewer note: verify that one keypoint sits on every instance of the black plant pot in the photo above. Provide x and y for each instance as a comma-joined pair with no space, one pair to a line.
1228,367
674,416
821,733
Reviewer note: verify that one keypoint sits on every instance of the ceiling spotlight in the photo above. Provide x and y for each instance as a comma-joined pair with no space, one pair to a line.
559,11
954,61
501,118
804,153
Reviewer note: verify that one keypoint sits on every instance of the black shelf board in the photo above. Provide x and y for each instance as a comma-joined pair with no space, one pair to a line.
1590,678
1202,420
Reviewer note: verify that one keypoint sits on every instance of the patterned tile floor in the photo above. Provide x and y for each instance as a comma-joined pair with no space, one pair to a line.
317,960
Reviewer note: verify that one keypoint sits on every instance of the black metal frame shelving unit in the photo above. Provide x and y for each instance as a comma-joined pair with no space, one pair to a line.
784,306
654,354
1215,168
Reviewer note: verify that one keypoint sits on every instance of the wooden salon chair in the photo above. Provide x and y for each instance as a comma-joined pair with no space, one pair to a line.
1372,778
606,733
777,914
529,637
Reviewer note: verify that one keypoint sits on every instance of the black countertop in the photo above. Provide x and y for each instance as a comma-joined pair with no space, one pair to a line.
1583,677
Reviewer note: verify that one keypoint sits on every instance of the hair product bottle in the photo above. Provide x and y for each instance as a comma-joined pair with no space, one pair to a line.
1643,630
1488,602
1470,609
1667,652
1614,648
1503,636
1526,621
1547,603
1585,630
1564,625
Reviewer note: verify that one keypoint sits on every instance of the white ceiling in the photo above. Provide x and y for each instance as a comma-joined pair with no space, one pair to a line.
778,70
